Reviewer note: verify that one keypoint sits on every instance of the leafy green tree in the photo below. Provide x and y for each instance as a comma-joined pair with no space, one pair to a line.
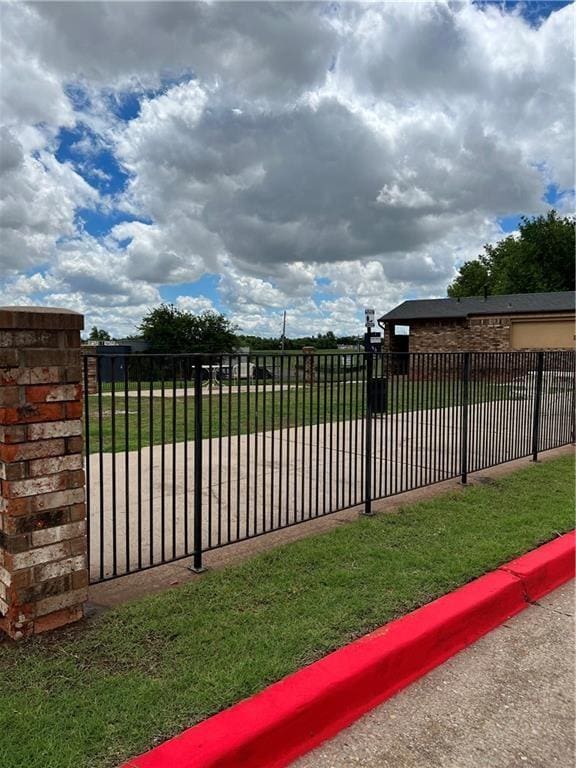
471,281
540,259
99,334
169,329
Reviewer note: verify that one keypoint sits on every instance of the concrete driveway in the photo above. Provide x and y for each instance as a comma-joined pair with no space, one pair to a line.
141,505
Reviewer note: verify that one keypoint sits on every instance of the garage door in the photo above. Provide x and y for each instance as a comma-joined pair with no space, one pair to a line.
542,334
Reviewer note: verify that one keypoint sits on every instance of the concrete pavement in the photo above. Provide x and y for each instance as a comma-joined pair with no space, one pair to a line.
141,505
505,702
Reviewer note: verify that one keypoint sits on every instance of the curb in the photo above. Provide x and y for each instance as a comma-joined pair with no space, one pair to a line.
291,717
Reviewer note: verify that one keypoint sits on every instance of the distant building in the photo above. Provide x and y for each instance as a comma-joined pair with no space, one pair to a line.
519,321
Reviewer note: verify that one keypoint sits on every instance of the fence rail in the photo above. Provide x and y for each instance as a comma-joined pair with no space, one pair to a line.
188,453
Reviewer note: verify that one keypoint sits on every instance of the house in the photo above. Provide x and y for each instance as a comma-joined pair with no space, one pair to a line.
519,321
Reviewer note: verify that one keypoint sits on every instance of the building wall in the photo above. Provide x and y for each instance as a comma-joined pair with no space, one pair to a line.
493,334
542,333
486,334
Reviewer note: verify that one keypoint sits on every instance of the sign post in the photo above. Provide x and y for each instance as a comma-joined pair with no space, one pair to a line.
369,323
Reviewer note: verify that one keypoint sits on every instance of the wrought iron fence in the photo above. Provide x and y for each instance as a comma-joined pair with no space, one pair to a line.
188,453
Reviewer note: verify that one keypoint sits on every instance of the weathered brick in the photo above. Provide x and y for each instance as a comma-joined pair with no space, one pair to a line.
12,433
57,499
80,578
15,507
40,319
50,519
59,533
77,512
73,373
59,568
77,546
9,358
32,413
58,619
47,357
13,471
10,396
47,393
44,375
5,576
38,449
42,555
54,464
14,489
21,578
30,338
43,589
73,410
47,430
14,376
74,444
51,604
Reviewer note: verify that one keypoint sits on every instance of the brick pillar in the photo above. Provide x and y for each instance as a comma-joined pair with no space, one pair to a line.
43,573
309,364
91,369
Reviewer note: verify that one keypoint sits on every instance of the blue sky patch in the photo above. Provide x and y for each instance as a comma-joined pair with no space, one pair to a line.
206,286
534,11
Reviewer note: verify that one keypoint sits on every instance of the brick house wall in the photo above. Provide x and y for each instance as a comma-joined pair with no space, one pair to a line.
482,334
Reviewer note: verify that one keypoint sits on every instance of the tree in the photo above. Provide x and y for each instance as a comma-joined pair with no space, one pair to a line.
540,259
99,334
169,329
471,281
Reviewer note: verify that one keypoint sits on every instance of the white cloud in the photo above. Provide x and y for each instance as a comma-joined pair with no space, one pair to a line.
372,147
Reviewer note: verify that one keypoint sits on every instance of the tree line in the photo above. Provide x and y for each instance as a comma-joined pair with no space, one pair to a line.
540,259
169,329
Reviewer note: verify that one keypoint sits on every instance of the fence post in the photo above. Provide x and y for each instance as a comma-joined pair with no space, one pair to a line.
464,435
43,548
309,364
368,428
537,407
197,566
573,399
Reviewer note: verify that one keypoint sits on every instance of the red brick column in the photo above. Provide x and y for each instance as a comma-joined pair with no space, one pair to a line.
91,369
309,364
43,573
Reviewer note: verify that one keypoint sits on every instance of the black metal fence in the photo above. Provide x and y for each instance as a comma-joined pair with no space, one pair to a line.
187,453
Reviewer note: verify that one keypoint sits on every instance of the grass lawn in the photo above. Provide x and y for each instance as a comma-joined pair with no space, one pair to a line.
137,422
93,695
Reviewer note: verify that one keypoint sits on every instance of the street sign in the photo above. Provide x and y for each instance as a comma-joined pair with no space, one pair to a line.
369,314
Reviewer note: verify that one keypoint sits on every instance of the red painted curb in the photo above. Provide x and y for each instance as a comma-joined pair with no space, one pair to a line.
547,567
289,718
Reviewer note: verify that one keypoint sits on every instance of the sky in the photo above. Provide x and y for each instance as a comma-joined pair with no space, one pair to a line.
256,157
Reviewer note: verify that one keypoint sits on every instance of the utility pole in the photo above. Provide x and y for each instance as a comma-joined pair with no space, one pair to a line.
283,338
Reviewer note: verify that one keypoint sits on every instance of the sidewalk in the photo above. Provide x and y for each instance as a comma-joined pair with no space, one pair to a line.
506,701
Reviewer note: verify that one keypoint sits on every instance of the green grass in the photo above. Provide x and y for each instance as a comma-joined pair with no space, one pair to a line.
138,422
96,694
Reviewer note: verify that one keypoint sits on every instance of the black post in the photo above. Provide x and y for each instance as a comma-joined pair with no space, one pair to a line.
537,407
368,430
464,436
573,407
197,566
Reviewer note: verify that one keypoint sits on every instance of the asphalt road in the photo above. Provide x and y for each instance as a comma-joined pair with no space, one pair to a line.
505,702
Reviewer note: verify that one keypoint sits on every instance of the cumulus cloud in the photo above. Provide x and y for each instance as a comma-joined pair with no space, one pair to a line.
316,157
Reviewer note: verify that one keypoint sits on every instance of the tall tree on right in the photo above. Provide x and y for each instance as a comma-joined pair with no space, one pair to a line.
539,259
